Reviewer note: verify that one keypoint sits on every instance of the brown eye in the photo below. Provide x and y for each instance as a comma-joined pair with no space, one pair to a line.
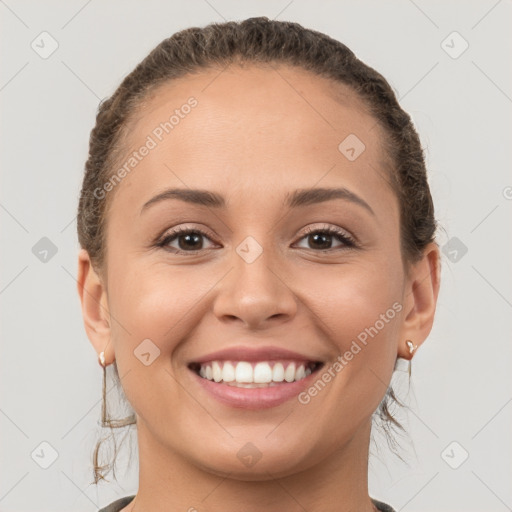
323,238
186,240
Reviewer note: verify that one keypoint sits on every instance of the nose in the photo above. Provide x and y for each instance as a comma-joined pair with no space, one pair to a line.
255,294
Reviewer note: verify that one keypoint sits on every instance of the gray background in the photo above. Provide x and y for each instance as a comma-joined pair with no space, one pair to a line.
50,379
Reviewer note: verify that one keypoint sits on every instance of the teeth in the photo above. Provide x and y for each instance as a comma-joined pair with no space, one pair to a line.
262,374
251,385
243,372
278,373
289,374
216,371
228,372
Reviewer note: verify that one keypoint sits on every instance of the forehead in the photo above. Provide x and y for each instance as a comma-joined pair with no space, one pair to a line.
249,127
257,99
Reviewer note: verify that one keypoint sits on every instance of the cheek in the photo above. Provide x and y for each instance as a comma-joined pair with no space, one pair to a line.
164,303
360,301
156,302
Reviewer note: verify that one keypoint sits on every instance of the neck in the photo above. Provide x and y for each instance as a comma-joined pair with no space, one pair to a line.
168,482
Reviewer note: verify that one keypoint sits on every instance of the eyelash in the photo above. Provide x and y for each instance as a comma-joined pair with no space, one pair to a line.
341,235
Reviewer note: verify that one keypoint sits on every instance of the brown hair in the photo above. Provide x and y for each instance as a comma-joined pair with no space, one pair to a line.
258,41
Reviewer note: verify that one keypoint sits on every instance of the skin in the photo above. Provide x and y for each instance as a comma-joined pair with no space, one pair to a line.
253,138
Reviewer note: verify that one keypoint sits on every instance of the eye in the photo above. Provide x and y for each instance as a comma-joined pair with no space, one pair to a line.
322,238
188,240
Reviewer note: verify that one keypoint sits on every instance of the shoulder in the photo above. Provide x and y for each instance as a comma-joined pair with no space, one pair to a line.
383,507
118,505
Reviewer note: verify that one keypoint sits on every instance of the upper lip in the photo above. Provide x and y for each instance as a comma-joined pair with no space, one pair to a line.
241,353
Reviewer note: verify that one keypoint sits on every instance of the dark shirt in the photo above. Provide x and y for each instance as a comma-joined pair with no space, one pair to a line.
119,504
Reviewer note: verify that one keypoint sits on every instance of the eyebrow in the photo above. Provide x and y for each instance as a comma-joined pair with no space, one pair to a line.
298,198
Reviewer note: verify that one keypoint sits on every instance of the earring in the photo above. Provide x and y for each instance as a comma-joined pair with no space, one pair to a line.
402,361
104,422
411,346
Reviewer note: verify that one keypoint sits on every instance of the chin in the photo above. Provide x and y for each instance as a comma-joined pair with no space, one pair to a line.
251,464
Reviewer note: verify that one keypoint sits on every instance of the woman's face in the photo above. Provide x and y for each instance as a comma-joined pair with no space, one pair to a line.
264,277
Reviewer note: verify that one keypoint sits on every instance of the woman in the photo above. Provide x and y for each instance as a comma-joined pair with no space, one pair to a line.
258,250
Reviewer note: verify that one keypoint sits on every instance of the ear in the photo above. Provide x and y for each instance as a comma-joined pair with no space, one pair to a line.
95,312
420,299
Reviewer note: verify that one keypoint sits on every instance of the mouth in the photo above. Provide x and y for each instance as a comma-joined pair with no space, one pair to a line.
255,374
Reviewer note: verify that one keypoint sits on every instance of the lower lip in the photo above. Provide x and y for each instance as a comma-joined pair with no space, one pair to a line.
254,398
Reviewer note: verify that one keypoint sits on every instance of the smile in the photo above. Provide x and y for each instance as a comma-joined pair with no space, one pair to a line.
255,384
254,374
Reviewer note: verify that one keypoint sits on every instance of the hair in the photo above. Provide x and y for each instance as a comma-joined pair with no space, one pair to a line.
258,41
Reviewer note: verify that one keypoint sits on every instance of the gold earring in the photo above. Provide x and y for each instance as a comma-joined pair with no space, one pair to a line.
401,361
104,422
411,346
